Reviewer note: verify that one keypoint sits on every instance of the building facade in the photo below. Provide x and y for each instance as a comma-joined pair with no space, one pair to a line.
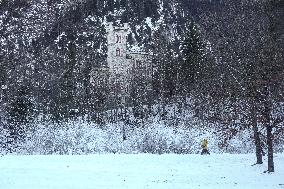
129,73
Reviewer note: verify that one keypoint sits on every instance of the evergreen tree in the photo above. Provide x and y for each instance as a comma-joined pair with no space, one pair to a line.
193,53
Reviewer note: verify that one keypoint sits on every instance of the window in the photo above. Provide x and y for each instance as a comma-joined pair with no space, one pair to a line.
118,39
149,72
118,52
128,56
126,88
138,64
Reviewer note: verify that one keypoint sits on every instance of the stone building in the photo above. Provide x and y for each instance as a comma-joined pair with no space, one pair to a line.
129,72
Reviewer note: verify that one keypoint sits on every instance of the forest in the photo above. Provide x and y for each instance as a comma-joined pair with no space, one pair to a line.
218,73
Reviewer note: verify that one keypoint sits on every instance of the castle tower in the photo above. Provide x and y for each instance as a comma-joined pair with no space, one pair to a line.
116,42
116,60
126,67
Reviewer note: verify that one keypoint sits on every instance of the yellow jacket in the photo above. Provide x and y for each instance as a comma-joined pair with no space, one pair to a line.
204,144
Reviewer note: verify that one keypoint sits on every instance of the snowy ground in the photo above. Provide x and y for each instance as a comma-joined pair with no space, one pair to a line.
138,171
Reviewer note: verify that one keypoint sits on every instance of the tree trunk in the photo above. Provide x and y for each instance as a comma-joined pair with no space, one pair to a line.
123,131
258,148
270,149
268,125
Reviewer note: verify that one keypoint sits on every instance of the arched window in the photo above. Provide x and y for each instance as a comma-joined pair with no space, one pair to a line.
138,64
118,52
118,39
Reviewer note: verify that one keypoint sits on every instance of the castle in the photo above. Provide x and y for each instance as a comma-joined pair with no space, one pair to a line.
129,72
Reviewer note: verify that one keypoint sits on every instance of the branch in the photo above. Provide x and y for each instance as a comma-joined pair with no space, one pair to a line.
277,121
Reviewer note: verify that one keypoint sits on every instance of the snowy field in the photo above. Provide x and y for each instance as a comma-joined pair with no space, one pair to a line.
169,171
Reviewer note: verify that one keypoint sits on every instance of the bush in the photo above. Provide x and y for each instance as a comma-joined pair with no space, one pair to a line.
79,137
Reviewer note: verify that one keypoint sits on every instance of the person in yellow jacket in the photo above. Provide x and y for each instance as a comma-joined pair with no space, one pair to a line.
204,145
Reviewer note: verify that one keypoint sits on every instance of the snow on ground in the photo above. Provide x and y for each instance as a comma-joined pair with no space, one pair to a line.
138,171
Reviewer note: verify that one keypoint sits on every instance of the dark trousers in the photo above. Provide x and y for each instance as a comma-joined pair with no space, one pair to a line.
205,151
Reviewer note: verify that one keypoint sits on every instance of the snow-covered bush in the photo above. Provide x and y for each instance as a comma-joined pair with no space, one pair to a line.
241,143
81,137
159,139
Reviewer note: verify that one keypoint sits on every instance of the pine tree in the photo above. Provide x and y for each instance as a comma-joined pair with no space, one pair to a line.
193,52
